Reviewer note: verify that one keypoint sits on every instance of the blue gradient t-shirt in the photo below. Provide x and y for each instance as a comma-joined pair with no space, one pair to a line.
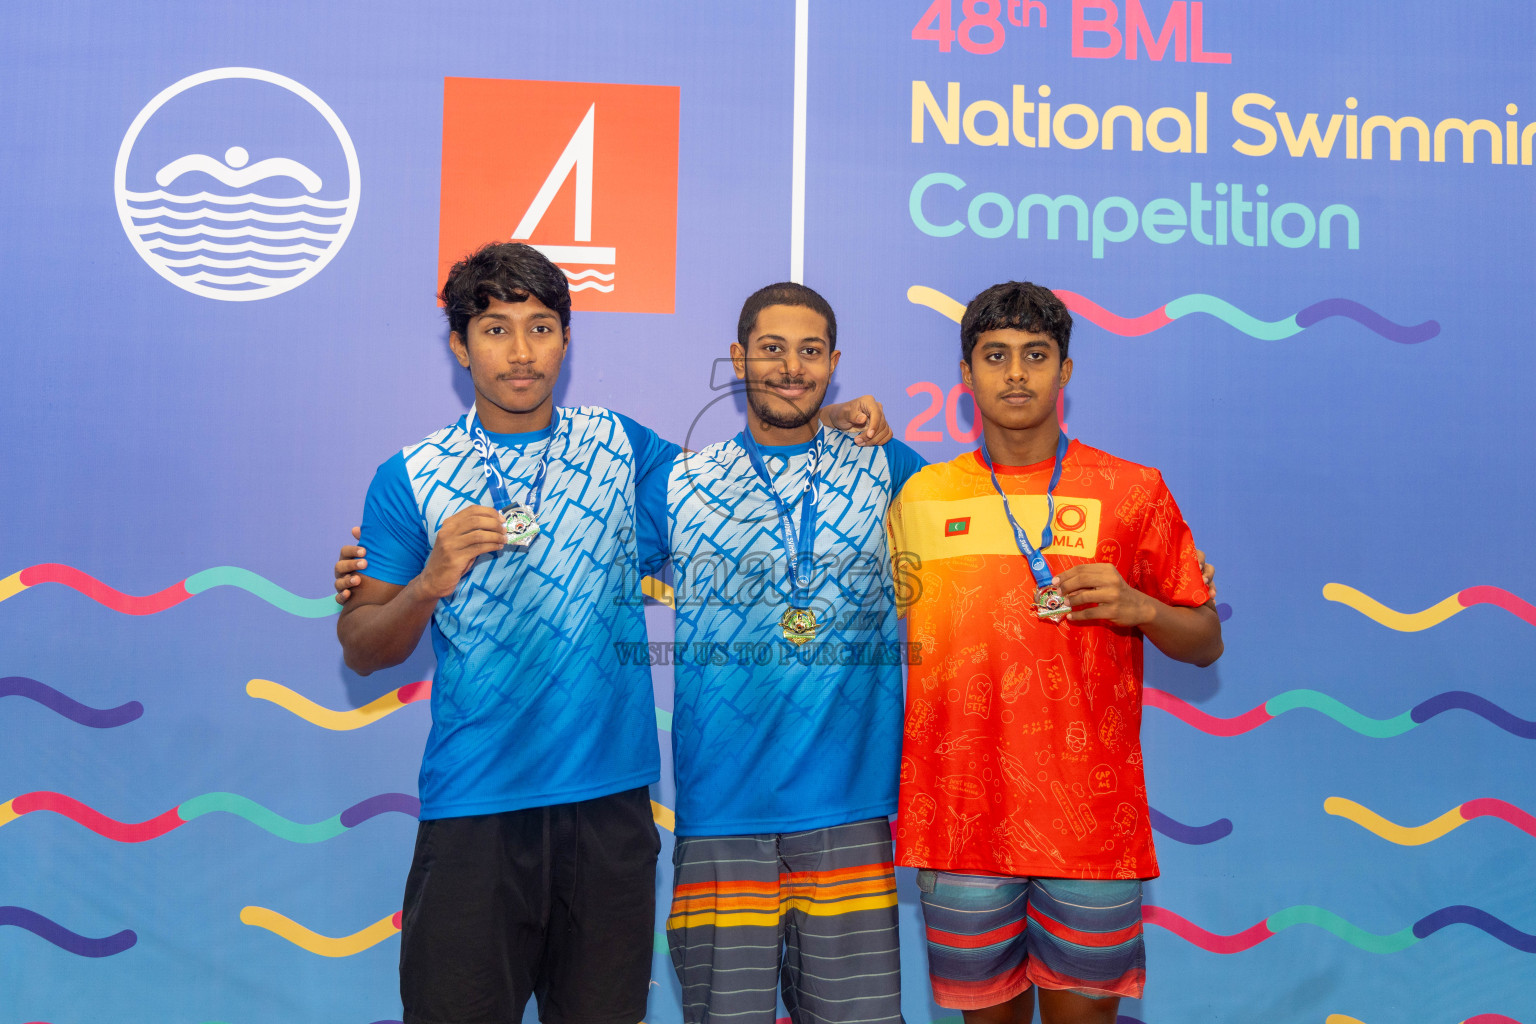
768,736
530,703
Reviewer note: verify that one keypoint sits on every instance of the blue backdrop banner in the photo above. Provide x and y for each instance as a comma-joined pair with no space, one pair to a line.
1294,238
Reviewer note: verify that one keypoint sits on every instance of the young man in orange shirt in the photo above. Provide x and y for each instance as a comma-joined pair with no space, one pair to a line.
1033,568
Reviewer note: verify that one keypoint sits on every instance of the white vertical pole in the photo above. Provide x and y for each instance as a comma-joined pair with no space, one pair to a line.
797,172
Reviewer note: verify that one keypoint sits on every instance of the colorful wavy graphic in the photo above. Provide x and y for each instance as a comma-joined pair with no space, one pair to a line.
338,721
1413,622
149,604
355,718
1460,700
68,707
1482,1018
1418,835
1336,925
251,811
658,591
1190,835
208,803
1210,305
314,942
664,816
70,942
1375,728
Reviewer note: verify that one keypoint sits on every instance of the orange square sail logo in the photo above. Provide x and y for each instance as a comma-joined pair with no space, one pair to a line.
585,173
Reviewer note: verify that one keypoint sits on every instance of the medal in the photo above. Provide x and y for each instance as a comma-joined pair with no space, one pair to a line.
522,520
1050,604
522,526
799,625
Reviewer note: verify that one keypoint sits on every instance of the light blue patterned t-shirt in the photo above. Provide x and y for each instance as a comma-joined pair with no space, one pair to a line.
531,705
768,736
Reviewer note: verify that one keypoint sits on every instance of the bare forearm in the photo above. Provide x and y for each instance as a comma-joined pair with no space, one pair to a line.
377,636
1191,635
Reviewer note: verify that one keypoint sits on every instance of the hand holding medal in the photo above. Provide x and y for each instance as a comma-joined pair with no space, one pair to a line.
463,537
1097,591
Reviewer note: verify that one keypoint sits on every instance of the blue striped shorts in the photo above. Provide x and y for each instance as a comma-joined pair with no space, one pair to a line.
991,938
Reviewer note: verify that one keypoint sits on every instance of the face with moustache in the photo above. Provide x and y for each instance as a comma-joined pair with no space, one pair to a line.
1016,377
787,364
513,351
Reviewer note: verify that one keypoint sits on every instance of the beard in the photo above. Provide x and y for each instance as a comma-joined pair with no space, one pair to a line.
776,415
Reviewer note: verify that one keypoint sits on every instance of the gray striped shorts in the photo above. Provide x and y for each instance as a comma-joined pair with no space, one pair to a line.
811,914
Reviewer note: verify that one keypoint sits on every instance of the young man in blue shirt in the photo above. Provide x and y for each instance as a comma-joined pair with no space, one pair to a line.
786,728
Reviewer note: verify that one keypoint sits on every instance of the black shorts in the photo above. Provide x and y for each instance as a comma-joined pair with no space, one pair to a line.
553,902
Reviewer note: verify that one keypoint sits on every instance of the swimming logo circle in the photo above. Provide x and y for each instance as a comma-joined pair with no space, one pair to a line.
237,184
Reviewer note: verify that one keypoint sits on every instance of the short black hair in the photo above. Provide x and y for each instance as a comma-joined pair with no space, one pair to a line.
506,272
1015,305
785,293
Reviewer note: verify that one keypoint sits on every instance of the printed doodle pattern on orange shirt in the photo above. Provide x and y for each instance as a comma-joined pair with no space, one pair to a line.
1022,749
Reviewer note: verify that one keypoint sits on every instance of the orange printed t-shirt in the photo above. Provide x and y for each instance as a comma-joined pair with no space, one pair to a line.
1022,749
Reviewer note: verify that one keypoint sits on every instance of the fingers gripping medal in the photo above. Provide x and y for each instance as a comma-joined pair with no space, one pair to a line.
522,520
1050,604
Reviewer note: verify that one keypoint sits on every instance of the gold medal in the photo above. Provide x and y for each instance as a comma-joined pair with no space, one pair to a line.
799,625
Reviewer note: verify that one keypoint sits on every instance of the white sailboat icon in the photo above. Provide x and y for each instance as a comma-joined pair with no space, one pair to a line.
577,159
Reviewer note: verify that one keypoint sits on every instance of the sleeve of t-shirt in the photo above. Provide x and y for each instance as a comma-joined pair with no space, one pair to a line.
1165,564
653,464
903,462
393,533
651,520
903,569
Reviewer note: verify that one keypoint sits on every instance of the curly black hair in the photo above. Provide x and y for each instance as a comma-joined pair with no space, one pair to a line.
785,293
506,272
1016,305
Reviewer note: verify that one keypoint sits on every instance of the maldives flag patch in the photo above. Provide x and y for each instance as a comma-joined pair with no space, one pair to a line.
957,527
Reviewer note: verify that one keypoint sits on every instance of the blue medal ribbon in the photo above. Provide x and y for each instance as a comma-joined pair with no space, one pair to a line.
500,499
800,545
1037,566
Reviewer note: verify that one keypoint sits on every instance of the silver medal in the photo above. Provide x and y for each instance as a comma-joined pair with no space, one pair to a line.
522,527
